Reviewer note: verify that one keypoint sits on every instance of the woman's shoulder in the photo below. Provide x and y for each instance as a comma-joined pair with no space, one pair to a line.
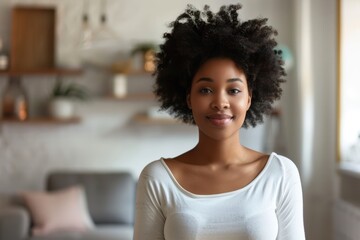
283,161
154,169
283,165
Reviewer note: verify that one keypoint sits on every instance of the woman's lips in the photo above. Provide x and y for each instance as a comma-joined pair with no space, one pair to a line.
219,119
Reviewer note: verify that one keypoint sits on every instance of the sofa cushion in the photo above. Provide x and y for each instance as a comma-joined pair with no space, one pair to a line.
110,195
63,210
106,232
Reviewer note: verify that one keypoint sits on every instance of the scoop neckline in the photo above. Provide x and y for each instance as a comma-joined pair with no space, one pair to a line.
194,195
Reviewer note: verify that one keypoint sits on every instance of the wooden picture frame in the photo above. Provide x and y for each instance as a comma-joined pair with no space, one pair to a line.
32,38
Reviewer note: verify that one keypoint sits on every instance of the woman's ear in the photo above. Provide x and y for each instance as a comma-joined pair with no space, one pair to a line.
249,100
188,101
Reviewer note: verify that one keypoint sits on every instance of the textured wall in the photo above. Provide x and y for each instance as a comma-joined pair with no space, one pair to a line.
106,138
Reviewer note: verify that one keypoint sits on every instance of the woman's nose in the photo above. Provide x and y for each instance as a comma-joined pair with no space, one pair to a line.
220,102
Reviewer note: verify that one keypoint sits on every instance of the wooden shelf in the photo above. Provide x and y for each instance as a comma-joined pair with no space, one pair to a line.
135,73
143,118
42,72
33,45
42,120
134,97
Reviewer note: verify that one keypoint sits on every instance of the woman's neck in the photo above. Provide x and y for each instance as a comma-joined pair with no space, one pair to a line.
224,151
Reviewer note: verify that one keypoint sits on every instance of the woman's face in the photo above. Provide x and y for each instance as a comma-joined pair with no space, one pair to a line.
219,98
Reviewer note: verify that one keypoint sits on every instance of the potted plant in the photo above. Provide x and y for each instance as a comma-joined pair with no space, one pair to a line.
61,103
143,55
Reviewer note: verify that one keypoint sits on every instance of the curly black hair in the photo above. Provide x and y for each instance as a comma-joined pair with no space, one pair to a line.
197,36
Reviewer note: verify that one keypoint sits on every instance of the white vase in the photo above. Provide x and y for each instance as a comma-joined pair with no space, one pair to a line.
120,85
61,108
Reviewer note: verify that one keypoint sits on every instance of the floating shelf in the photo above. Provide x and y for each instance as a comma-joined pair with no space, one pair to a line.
134,97
143,118
42,72
136,73
42,120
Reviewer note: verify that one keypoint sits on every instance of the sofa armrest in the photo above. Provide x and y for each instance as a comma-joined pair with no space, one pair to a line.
14,223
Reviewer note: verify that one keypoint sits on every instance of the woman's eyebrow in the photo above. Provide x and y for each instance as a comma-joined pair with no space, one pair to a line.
204,79
207,79
235,80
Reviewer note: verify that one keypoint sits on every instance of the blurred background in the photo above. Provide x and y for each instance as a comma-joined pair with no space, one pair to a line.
83,101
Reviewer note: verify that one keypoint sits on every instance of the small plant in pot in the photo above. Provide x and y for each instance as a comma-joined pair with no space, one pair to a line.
61,104
143,55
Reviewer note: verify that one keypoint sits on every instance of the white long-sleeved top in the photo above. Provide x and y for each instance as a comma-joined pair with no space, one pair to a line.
270,207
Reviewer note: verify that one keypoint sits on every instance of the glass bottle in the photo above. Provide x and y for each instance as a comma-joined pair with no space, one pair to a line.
15,101
4,59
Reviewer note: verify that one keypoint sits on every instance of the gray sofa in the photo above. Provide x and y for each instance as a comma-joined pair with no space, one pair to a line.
111,203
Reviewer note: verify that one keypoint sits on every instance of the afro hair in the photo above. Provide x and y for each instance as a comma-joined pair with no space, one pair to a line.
197,36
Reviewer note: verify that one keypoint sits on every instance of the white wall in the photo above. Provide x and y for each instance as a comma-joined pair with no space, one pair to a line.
106,138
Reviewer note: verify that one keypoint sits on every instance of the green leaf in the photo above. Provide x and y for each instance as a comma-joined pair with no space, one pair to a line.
71,90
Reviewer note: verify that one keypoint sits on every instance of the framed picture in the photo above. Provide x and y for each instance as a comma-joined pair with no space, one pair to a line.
348,139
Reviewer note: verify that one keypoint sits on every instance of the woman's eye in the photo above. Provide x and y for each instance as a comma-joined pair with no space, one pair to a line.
205,90
234,91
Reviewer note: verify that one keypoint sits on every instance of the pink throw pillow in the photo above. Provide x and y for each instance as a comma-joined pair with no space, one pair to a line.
58,211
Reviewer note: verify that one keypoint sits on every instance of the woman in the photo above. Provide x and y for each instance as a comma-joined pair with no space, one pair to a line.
220,74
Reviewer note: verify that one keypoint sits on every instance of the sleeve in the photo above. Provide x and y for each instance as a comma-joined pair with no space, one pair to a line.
149,219
290,207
